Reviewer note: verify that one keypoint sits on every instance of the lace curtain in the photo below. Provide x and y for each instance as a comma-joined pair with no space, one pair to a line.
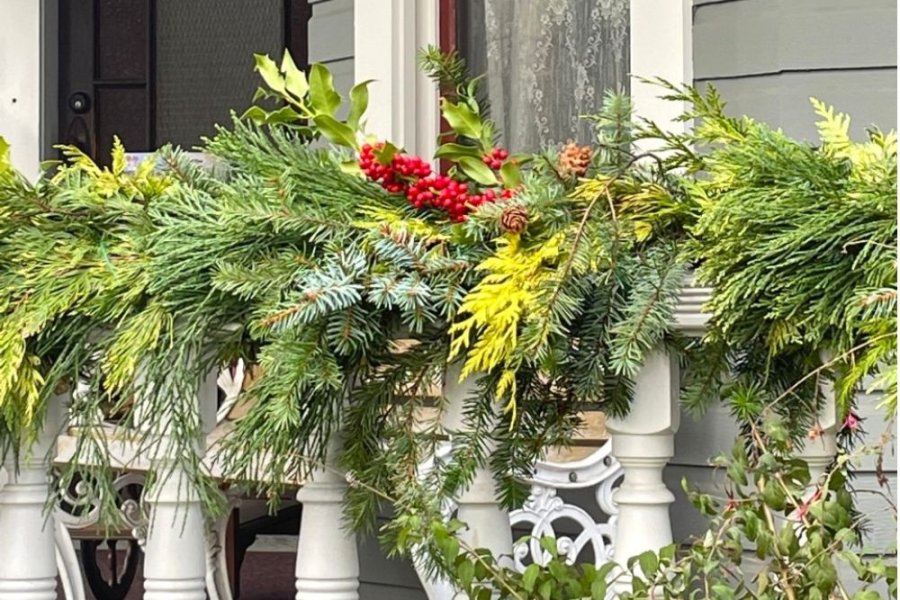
547,63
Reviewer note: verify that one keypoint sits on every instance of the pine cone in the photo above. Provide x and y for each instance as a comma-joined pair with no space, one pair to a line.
574,160
514,219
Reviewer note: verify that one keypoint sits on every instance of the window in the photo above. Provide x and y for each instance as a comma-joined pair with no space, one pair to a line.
546,63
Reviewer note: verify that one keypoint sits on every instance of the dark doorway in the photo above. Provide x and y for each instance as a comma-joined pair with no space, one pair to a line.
160,71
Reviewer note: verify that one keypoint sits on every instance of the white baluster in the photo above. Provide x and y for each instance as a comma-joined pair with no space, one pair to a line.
488,523
175,550
327,556
28,546
643,442
820,448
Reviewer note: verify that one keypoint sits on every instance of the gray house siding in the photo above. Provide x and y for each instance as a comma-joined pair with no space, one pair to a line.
767,57
331,39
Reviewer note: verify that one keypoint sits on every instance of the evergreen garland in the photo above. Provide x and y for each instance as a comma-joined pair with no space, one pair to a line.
352,302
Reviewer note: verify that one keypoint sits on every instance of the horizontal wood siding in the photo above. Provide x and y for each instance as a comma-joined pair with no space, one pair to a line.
768,57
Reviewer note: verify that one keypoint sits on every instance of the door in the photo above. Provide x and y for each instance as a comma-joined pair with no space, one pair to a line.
159,71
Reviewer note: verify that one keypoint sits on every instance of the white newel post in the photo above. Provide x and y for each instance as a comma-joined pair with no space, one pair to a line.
27,539
488,523
643,442
175,549
327,556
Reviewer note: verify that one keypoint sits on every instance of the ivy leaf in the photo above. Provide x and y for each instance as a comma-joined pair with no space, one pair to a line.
339,133
648,563
269,72
454,152
462,119
546,590
477,171
511,175
465,572
294,79
529,577
322,95
598,589
359,102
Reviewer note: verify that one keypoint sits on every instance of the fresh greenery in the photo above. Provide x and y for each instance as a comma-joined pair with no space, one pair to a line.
798,243
778,534
354,280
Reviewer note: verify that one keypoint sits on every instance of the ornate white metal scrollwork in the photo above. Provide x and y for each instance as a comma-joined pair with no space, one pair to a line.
545,510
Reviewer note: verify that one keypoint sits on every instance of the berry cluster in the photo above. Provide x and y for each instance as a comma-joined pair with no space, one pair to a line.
495,159
412,176
391,176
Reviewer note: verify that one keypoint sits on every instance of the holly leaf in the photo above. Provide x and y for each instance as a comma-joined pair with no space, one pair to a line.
477,171
255,114
269,72
322,95
294,79
359,102
462,119
386,153
456,151
285,114
339,133
511,175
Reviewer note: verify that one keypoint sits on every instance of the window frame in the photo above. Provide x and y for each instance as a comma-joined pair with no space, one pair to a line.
403,103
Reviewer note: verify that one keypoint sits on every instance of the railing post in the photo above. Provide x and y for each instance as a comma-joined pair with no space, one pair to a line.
643,442
175,550
488,523
327,557
28,546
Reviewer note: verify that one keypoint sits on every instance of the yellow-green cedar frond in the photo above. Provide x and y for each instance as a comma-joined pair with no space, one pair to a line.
646,206
144,183
20,378
834,131
134,341
5,163
512,289
118,157
376,217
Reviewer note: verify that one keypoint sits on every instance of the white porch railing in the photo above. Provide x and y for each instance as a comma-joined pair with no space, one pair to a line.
186,562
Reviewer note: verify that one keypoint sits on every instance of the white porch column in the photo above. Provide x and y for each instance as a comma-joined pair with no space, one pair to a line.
488,523
327,556
27,536
643,442
175,550
28,85
661,46
403,102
